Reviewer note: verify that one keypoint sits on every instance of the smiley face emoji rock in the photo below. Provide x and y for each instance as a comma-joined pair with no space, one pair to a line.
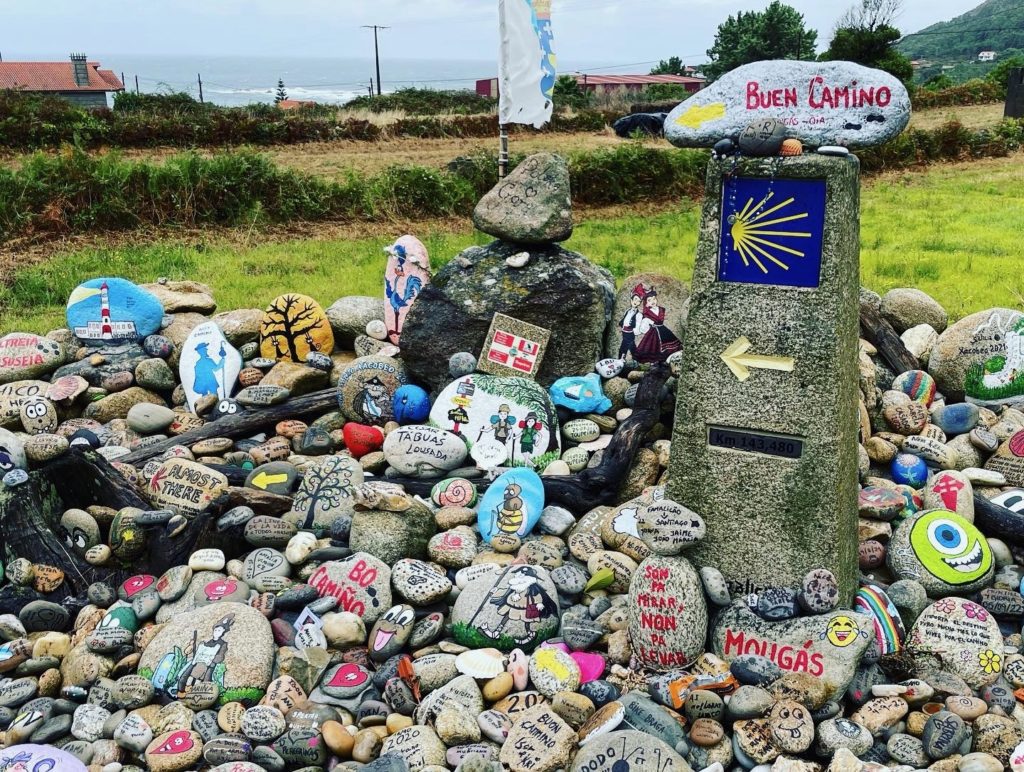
942,551
842,631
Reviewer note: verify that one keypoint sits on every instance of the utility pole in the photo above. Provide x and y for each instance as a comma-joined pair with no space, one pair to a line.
376,49
199,77
136,84
371,88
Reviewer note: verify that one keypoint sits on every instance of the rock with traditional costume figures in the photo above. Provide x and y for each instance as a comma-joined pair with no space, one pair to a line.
647,320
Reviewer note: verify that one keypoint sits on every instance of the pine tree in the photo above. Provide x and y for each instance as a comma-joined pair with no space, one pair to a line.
281,94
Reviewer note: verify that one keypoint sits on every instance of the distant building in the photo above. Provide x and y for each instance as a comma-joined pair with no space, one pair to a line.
79,81
917,64
987,56
294,104
608,83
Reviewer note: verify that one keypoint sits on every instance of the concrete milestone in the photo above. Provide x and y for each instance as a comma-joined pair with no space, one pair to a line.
765,440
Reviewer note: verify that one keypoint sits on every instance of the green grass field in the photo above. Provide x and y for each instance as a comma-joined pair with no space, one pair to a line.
955,231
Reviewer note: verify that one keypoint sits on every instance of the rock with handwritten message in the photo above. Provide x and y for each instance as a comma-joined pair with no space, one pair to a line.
667,614
819,103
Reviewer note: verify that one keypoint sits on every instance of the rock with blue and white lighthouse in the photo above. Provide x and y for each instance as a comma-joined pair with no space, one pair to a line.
110,310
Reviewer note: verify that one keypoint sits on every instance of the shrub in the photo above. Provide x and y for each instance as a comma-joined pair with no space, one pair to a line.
422,101
973,92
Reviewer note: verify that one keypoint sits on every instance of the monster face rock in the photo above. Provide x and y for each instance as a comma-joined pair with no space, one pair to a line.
943,551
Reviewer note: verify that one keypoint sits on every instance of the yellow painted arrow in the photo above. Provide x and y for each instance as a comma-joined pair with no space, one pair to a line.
740,362
262,480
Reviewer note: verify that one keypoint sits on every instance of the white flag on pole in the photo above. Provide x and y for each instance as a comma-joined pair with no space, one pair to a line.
526,67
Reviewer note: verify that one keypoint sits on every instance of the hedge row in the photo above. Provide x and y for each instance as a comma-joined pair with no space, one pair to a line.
73,191
973,92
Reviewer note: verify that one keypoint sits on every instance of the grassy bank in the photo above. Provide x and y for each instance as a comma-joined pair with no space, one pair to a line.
76,192
951,230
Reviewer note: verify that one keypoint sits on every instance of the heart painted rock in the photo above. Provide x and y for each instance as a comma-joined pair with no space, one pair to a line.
361,439
512,505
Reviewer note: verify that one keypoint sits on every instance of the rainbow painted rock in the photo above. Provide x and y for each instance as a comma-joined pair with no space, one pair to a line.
889,631
917,385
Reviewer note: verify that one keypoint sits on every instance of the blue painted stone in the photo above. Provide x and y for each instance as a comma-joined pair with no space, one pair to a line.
955,419
131,313
908,469
580,394
512,505
15,477
411,404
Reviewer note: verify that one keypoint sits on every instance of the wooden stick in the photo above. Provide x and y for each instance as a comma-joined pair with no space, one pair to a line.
240,424
1000,522
889,344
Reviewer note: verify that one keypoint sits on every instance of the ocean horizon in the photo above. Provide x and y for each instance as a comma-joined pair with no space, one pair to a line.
239,80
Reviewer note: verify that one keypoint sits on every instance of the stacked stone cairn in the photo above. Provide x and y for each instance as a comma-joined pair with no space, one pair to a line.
384,586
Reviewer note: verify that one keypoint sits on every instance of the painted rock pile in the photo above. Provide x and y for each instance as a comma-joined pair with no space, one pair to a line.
387,582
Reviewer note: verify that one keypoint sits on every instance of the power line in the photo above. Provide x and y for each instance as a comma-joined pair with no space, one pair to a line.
961,31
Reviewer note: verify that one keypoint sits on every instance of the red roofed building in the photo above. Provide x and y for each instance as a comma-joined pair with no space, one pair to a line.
606,83
79,81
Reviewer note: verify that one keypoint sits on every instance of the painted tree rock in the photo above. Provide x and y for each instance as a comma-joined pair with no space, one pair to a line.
24,355
517,608
647,320
515,414
208,365
366,389
294,325
828,646
942,551
407,272
227,647
326,492
113,311
820,103
512,505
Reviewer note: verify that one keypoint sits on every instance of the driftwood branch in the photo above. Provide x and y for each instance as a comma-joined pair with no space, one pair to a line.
889,344
998,521
240,424
598,486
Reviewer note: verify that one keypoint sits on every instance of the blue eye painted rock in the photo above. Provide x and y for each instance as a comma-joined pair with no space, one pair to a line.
113,311
512,504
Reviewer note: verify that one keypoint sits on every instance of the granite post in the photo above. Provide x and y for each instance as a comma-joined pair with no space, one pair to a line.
765,439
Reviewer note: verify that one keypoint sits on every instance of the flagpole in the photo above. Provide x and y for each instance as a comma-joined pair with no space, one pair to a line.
503,151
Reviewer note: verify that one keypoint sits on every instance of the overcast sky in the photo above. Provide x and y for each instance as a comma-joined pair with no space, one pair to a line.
592,31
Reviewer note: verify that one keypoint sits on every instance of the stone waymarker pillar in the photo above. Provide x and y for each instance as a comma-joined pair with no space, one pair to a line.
765,439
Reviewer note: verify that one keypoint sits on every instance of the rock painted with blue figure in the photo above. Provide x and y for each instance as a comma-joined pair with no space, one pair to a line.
108,310
908,469
38,758
209,364
512,504
411,404
580,394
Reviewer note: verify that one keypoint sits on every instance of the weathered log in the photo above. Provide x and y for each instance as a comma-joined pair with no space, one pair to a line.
30,516
240,424
888,342
599,485
998,522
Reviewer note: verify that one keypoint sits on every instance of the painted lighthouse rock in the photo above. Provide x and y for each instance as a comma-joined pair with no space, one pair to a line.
406,274
113,310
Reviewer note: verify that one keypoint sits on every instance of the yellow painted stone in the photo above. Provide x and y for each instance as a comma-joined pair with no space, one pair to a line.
294,325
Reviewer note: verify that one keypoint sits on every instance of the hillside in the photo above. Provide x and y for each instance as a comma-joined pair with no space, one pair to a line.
996,25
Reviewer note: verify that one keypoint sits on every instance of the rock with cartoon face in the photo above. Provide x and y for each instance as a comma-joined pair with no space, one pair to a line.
516,608
792,727
943,552
828,646
390,632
